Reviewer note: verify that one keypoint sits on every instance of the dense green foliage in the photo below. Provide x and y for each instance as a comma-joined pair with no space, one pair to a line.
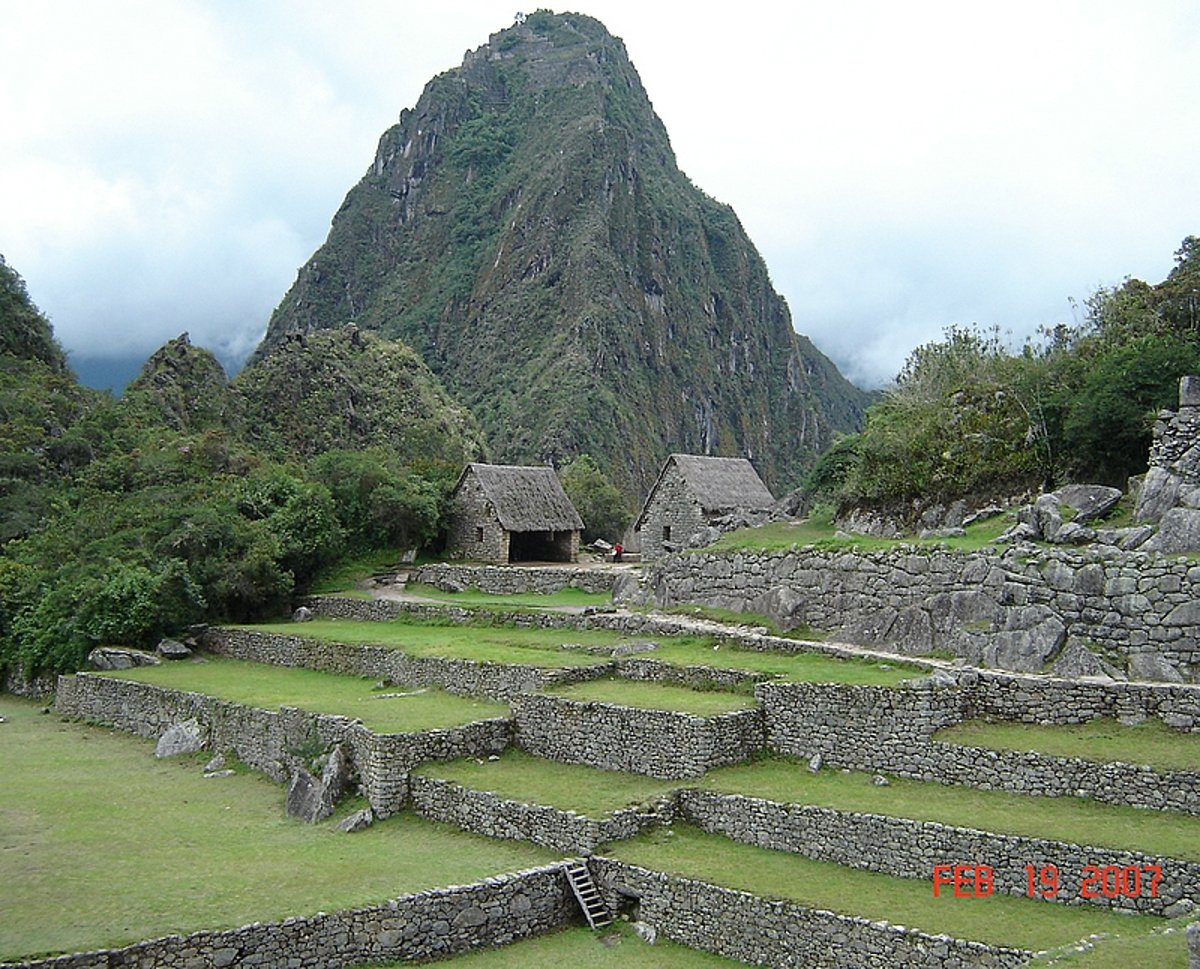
526,230
967,416
195,498
603,508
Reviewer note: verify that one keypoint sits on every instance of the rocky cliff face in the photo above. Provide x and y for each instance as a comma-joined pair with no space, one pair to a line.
526,229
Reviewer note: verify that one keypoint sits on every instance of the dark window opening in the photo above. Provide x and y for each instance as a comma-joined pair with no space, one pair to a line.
666,533
479,533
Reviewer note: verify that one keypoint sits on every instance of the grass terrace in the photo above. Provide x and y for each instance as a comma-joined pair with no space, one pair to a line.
570,597
797,667
655,696
1152,743
1164,948
818,531
998,919
480,642
270,687
1069,819
617,947
570,787
104,845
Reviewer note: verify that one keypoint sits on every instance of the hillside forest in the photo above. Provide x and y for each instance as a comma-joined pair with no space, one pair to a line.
195,498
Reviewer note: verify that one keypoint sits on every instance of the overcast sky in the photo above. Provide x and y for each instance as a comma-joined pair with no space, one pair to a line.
168,165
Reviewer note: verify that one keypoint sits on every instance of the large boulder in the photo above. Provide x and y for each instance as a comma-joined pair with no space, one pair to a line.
120,658
1179,531
1089,502
313,800
172,649
1031,637
182,738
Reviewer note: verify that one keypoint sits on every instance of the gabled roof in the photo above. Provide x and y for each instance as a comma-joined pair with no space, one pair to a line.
718,484
525,499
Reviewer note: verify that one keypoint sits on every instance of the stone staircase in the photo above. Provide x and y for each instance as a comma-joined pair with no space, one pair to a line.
588,896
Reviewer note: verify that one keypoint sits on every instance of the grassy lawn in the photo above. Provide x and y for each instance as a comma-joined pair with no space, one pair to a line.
343,576
101,844
802,667
655,696
1070,819
479,642
568,597
571,787
616,946
1164,948
1000,920
1151,743
270,687
819,531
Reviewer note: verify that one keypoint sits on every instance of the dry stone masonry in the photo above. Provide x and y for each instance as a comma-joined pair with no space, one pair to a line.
511,580
419,927
266,739
759,931
658,743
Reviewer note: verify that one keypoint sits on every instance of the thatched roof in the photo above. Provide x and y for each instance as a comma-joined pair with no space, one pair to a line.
718,484
525,499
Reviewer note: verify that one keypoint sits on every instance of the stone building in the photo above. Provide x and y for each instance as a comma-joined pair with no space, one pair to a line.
694,493
502,513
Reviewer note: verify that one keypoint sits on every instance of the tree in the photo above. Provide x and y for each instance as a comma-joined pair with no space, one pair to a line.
599,503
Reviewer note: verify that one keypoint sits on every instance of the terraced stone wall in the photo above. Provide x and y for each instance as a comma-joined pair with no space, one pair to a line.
40,687
1085,611
911,849
658,743
264,739
483,812
418,927
509,580
755,930
883,729
498,681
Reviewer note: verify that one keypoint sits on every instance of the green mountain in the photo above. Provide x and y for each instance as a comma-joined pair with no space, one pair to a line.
526,230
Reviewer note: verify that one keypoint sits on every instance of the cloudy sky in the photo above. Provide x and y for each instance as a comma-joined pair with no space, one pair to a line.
167,165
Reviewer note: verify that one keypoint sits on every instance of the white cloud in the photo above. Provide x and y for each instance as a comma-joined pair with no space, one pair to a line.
169,164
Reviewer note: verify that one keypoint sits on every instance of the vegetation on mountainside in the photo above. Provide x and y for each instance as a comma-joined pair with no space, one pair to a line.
526,230
967,416
194,498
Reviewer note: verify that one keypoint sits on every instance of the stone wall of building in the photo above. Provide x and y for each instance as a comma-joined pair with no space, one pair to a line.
419,927
1026,608
1193,940
474,531
759,931
911,849
670,518
513,580
498,681
658,743
483,812
885,729
265,739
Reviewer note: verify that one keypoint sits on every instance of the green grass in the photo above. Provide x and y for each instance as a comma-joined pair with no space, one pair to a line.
999,919
570,787
799,667
1070,819
470,641
1151,743
346,574
1164,948
568,597
818,531
655,696
616,947
104,845
270,687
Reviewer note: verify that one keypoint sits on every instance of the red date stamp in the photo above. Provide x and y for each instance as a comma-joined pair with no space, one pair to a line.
1095,881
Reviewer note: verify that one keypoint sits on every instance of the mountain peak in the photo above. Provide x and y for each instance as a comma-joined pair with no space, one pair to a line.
525,228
